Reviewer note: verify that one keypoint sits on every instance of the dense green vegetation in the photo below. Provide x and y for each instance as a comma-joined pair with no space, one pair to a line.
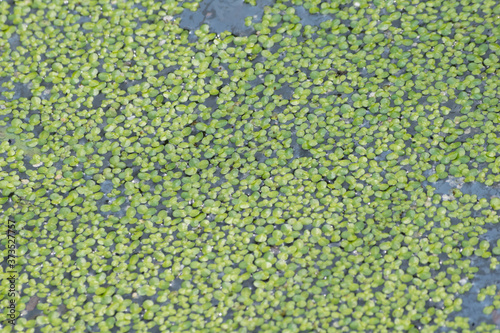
169,180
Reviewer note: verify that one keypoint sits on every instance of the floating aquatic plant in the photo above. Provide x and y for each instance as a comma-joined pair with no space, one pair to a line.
281,180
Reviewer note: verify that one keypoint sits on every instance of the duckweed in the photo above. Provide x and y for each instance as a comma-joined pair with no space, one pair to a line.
331,167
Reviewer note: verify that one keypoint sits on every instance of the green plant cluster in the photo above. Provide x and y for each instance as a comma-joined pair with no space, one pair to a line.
191,181
489,291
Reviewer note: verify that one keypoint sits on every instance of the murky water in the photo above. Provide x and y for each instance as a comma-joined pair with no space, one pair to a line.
445,186
223,15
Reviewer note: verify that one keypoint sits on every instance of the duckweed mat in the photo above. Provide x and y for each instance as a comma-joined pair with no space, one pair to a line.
231,166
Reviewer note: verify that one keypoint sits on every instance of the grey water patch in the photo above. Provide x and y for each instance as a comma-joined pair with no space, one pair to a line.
471,188
20,89
454,107
441,186
106,186
224,15
382,156
307,18
83,19
364,72
468,134
229,314
445,187
87,177
481,190
14,41
176,284
471,307
492,235
298,151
